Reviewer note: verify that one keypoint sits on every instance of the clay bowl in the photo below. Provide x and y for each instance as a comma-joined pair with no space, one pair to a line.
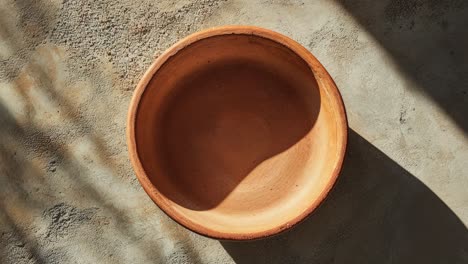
237,132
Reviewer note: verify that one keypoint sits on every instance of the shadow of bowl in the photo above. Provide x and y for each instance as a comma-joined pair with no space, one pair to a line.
377,213
237,132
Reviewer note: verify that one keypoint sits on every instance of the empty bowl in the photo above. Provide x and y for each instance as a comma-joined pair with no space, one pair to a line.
237,132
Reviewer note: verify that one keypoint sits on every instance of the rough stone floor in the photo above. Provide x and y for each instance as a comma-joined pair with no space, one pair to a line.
67,71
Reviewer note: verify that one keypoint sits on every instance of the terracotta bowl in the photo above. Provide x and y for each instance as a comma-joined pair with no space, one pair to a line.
237,132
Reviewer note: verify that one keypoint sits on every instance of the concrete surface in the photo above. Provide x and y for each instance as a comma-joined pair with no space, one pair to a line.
68,69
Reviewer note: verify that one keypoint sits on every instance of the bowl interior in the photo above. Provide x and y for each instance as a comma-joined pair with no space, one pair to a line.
237,135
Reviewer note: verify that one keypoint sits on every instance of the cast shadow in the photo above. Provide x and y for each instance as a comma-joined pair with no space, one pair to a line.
428,40
377,213
29,189
226,120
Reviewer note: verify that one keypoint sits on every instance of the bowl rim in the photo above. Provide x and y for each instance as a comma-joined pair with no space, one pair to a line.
318,70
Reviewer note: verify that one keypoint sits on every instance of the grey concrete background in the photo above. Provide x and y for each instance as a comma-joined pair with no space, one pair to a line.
67,72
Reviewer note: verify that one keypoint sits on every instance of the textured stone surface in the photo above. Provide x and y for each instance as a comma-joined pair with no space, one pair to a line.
67,72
